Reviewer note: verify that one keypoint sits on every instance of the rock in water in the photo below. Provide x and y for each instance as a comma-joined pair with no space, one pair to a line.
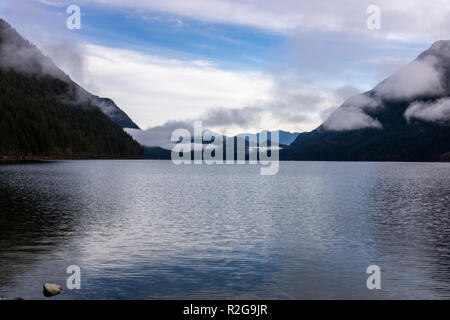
51,290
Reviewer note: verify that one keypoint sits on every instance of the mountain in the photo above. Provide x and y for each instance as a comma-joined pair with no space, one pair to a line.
108,107
157,153
45,114
404,118
285,137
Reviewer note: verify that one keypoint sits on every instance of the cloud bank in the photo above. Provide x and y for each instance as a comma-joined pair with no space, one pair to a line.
159,136
438,111
345,119
352,114
419,78
154,88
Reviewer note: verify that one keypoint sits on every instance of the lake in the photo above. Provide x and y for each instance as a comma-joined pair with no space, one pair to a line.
153,230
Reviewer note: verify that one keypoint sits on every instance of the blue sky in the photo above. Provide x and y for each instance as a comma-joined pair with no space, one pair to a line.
172,35
180,37
246,65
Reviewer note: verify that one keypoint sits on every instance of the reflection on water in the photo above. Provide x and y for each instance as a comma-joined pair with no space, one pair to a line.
150,230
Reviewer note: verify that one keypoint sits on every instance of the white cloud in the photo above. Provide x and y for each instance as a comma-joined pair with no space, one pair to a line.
159,135
401,19
419,78
438,111
350,118
352,114
152,89
48,32
364,102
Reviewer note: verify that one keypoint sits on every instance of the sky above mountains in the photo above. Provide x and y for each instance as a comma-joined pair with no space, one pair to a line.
243,65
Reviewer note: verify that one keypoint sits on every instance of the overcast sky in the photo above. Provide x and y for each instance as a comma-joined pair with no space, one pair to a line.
245,65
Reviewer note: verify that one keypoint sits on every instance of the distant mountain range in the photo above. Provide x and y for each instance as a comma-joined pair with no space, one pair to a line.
161,138
404,118
157,143
45,114
285,137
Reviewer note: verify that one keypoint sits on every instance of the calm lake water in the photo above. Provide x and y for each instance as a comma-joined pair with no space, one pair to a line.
152,230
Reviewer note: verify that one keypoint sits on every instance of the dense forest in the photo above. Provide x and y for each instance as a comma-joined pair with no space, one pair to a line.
34,122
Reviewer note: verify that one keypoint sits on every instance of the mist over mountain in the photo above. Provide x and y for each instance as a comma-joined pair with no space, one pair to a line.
45,114
404,118
107,106
20,55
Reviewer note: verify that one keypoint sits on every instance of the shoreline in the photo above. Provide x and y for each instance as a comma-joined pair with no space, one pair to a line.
6,161
33,159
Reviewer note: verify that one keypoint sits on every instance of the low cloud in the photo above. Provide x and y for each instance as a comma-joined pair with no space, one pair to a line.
18,54
289,105
341,94
60,47
319,71
419,78
159,136
68,55
351,118
363,102
438,111
223,117
352,115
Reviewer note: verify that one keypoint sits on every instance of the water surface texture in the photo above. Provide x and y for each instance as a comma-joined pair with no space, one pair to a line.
152,230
